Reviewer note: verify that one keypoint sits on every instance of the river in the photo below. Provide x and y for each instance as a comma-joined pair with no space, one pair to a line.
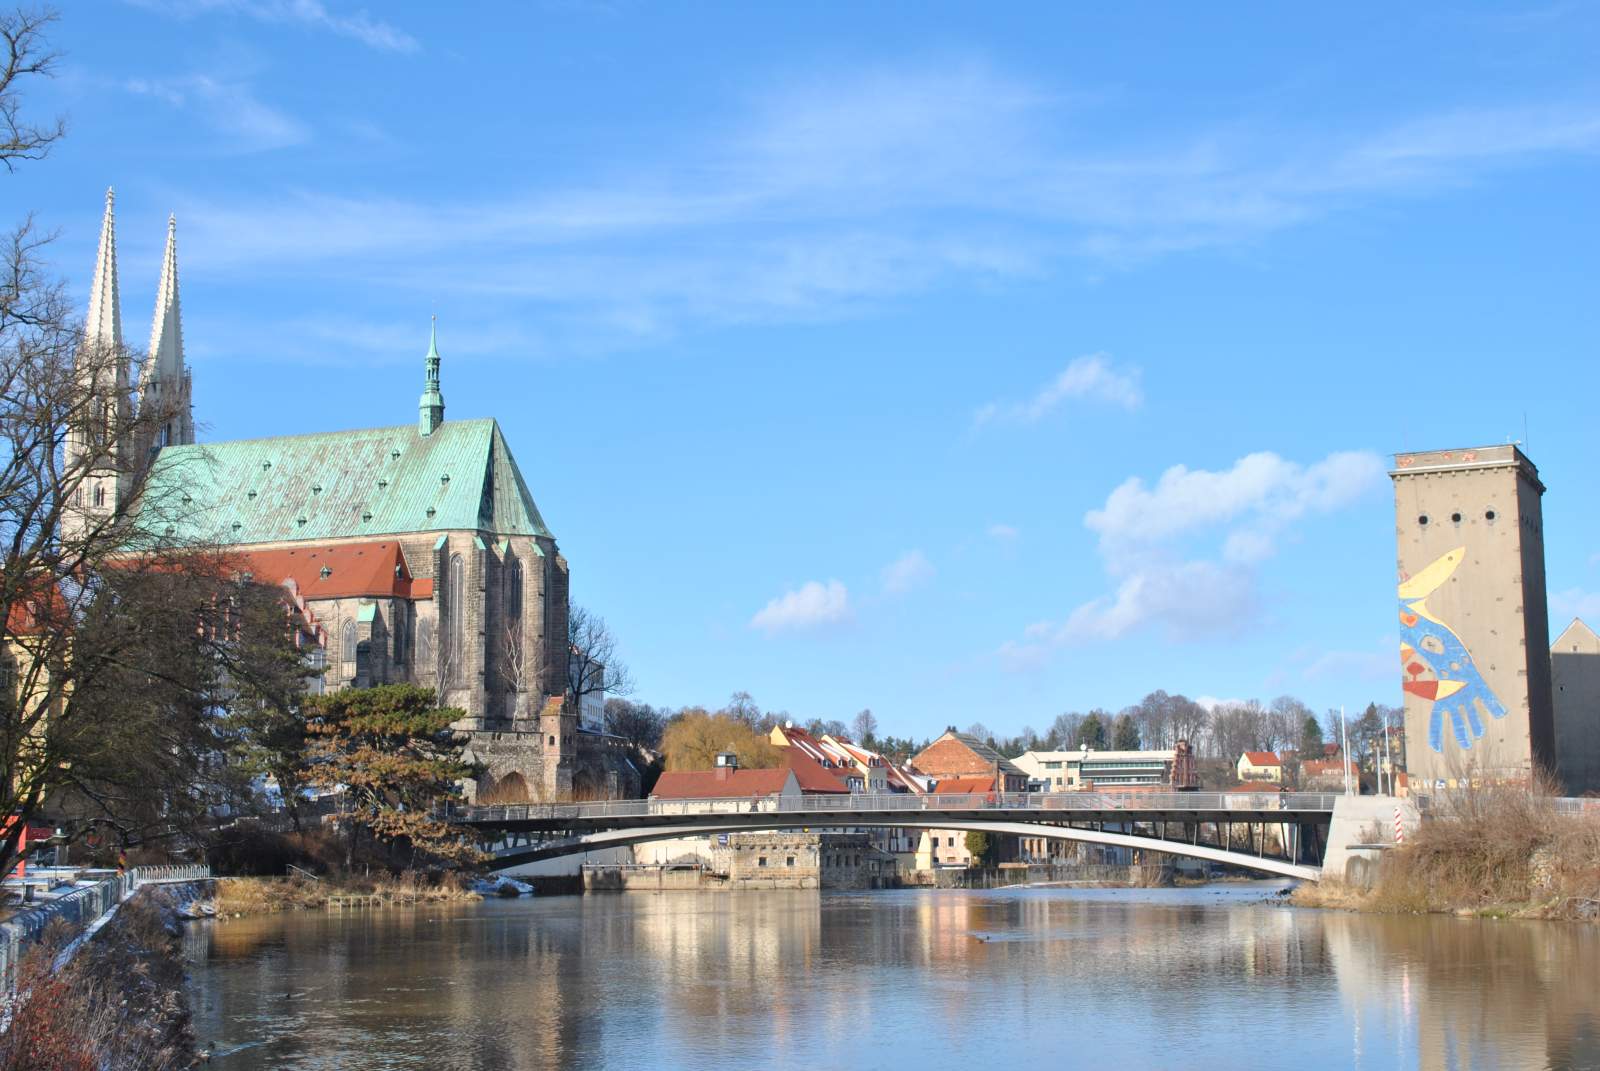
1208,977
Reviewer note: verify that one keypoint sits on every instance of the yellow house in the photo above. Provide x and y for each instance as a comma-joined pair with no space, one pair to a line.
1260,766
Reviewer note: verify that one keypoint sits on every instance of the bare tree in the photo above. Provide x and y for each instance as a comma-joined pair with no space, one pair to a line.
593,666
742,705
866,727
24,53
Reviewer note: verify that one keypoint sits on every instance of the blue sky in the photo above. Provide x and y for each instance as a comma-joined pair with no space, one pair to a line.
960,365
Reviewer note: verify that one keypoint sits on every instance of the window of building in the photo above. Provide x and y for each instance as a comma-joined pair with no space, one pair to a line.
99,494
788,860
761,860
347,645
514,594
455,604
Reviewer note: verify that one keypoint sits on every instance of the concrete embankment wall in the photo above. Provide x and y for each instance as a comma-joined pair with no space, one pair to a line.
1364,820
648,879
1063,874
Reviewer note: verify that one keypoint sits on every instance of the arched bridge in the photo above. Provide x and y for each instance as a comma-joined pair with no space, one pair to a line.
1222,827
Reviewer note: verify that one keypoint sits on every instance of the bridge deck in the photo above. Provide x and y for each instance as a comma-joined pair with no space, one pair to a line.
913,810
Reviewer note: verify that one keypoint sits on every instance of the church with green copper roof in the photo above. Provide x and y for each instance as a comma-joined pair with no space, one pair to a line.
413,553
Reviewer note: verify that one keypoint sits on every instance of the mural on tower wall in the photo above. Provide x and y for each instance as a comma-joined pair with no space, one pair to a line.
1437,665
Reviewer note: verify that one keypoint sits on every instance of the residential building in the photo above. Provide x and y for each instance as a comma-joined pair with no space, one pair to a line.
956,754
1071,771
1575,681
864,770
1328,775
1259,766
414,551
1474,627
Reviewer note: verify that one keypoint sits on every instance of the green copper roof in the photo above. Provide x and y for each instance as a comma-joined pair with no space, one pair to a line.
378,481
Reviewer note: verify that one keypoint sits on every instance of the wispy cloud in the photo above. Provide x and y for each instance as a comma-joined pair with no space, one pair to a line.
311,14
812,605
1092,377
825,196
1003,533
1184,553
230,108
907,572
1574,602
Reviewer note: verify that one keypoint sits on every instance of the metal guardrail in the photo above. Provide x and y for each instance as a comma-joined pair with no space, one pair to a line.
79,909
1053,804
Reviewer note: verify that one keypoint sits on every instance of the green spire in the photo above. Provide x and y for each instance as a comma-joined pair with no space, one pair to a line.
431,408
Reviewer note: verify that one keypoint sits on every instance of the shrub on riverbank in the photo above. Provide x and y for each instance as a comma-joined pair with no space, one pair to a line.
117,1004
1493,849
257,896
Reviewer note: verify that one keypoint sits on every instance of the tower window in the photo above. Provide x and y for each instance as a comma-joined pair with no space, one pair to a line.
1423,520
99,495
1455,518
1488,514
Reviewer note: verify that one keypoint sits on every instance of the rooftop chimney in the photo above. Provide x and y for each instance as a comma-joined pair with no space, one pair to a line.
727,762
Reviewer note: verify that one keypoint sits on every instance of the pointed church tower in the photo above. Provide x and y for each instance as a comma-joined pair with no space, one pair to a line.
430,410
96,458
165,382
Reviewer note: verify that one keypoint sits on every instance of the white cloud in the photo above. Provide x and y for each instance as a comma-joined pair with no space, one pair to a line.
311,14
1092,377
911,570
827,195
231,108
1184,554
1261,493
811,605
1004,533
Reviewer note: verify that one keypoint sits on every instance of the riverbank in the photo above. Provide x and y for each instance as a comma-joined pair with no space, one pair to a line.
261,896
1499,852
116,1002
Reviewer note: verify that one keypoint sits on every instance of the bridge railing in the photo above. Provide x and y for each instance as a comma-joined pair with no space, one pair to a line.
1045,803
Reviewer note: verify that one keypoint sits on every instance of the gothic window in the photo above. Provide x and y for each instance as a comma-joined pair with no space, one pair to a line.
455,603
514,594
319,662
424,640
399,633
99,494
347,646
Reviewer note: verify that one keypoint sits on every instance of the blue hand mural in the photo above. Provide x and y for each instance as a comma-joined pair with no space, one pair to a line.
1438,667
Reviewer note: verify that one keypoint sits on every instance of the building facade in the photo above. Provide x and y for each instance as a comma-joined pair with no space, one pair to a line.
1575,690
1072,771
1474,630
414,552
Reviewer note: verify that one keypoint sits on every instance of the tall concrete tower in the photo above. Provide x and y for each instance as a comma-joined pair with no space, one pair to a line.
1474,630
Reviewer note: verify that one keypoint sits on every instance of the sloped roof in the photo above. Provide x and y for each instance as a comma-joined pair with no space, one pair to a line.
337,572
811,775
988,754
374,481
715,784
1261,758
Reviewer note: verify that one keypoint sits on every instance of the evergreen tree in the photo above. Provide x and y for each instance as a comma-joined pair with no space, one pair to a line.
1092,733
394,754
1125,734
1311,738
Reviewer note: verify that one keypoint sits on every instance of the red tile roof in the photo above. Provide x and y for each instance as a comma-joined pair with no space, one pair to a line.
717,784
811,775
30,615
1319,767
352,569
1261,758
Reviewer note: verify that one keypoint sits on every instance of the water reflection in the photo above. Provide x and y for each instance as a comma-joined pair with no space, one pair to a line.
1128,979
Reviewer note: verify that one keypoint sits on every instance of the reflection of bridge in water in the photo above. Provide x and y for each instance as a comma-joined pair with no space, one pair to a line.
1283,834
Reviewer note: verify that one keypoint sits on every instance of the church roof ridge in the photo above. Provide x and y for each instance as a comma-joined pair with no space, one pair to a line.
341,484
387,428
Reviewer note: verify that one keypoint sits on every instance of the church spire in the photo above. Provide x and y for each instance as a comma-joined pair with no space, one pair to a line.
430,410
104,325
165,379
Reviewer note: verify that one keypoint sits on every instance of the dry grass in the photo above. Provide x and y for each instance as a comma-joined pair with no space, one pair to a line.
1492,850
259,896
117,1005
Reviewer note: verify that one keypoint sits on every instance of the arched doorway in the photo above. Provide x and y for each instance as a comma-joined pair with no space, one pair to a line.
512,788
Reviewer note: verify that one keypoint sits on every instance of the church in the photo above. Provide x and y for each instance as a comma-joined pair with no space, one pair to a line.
414,553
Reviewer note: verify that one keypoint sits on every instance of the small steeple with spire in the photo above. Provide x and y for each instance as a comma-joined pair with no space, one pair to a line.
430,410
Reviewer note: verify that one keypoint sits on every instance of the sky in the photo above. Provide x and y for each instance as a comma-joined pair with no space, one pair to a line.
958,363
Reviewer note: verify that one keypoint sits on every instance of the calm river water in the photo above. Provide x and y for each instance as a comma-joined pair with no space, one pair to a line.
916,979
